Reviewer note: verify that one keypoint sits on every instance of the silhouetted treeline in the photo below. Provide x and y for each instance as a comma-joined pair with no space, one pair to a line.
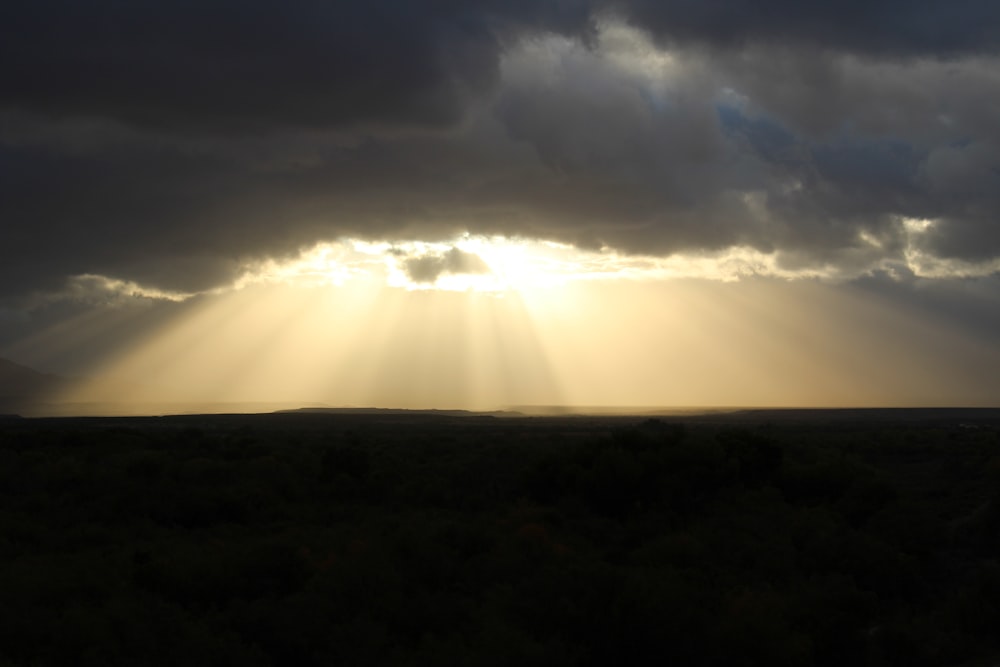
318,540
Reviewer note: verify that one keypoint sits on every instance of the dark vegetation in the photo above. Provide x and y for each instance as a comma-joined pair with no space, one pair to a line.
407,540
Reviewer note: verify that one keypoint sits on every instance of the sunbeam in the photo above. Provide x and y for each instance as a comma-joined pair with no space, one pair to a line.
486,324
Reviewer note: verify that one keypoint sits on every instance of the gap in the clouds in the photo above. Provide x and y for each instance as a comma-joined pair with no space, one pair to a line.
498,264
492,265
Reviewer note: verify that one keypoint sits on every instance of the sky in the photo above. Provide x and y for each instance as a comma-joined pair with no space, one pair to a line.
490,203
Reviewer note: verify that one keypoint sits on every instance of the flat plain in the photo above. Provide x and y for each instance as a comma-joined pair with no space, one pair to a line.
778,537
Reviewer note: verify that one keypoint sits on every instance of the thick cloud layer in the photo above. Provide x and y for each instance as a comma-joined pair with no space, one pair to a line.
254,65
167,143
885,27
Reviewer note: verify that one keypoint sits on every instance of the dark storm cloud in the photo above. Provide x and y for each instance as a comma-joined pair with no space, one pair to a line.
117,210
167,143
251,65
894,27
233,65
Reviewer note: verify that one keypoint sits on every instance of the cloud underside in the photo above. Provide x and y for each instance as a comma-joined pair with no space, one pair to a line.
167,145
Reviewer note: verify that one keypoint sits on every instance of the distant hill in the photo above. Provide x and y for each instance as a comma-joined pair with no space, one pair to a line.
402,411
18,380
20,385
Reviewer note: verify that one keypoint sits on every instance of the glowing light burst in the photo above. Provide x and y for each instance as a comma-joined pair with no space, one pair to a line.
467,264
413,324
323,264
520,264
500,265
482,322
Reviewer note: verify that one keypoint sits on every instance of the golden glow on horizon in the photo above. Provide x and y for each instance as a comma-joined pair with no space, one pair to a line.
367,345
608,343
486,323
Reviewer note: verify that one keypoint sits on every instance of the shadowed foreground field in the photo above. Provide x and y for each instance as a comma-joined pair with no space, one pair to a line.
778,538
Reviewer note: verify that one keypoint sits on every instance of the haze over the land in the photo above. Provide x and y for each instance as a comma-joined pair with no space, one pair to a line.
478,204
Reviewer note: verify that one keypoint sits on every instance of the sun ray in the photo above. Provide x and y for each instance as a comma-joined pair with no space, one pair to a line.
507,322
